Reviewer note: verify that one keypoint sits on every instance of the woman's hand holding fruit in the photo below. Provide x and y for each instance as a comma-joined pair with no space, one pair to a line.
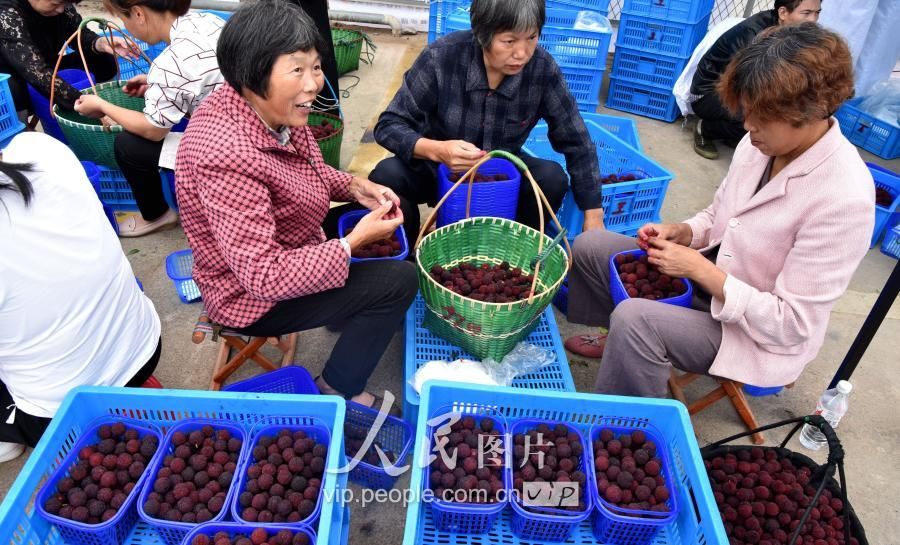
136,86
374,196
680,261
679,233
374,226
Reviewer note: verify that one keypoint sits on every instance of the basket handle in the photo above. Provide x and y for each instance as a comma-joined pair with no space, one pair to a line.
105,29
539,196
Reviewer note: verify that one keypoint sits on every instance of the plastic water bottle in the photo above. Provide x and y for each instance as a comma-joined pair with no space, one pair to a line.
831,406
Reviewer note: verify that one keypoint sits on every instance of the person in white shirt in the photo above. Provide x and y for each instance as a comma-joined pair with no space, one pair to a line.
183,74
71,312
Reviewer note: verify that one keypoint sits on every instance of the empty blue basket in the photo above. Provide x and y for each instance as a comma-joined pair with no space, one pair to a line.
178,266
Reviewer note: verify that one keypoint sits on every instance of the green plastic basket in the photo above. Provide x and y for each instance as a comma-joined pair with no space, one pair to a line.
330,145
347,49
500,326
87,137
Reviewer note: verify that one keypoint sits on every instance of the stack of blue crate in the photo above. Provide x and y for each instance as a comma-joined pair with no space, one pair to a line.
581,54
656,38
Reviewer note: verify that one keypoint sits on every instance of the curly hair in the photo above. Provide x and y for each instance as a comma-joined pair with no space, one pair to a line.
797,73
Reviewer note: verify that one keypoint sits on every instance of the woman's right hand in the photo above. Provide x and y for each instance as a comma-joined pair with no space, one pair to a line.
136,86
459,155
679,233
373,226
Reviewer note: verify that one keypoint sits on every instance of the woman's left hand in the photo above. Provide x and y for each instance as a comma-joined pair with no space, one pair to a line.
372,196
674,259
90,106
119,45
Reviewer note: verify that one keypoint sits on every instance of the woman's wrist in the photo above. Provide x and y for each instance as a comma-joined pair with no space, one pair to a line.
685,234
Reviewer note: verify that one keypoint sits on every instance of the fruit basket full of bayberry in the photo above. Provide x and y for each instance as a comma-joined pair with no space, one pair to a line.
775,495
486,280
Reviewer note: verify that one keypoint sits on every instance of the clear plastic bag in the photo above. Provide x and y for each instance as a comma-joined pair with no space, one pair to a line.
883,102
592,22
525,358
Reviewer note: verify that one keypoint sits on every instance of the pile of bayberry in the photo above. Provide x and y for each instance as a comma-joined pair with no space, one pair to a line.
643,280
883,197
629,472
355,436
551,455
193,482
485,282
105,474
762,497
386,247
284,479
323,130
616,178
258,536
469,443
479,177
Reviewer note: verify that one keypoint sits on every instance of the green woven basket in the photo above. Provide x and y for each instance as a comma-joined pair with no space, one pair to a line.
347,49
486,330
330,145
90,140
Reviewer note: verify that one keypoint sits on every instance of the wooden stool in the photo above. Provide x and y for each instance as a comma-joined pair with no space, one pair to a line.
248,349
734,391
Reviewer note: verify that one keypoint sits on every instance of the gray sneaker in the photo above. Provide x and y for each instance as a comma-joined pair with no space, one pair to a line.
703,147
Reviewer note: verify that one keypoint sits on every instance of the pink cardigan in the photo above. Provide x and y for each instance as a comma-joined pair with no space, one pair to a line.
789,252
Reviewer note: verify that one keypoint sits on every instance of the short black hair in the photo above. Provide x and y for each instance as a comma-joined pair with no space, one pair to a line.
123,7
490,17
790,5
256,35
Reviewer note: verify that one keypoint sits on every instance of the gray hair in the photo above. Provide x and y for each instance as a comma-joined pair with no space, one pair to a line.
256,35
490,17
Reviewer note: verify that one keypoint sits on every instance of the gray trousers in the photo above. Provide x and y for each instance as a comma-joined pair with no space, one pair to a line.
646,338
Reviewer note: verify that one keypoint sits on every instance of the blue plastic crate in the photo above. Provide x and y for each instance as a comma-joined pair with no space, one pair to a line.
114,530
497,199
617,288
614,524
643,100
130,68
173,533
292,379
93,174
699,523
622,127
884,215
394,435
9,117
422,346
457,517
627,205
547,524
573,48
438,12
179,267
868,132
682,11
647,68
235,528
457,20
600,6
891,244
660,36
115,191
162,408
350,219
584,84
561,299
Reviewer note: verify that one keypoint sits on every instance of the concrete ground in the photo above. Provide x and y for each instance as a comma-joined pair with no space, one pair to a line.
869,432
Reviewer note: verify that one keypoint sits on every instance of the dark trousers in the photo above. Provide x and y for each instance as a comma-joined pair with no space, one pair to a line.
27,429
103,67
139,160
718,123
416,183
370,306
318,12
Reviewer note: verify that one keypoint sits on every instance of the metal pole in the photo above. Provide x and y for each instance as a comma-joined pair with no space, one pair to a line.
869,327
748,11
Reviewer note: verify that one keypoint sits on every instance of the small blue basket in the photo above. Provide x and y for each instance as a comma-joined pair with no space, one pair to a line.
271,425
173,533
234,528
179,266
41,104
496,199
891,244
884,215
115,530
641,99
350,219
868,132
422,346
617,288
682,11
660,36
467,518
613,524
394,435
759,391
648,68
292,379
546,524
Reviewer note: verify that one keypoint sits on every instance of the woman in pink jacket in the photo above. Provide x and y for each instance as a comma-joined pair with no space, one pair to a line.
768,258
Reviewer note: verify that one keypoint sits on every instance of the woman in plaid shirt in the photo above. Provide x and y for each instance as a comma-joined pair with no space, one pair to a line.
254,190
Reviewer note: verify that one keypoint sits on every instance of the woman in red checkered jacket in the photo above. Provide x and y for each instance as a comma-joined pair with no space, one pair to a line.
254,191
